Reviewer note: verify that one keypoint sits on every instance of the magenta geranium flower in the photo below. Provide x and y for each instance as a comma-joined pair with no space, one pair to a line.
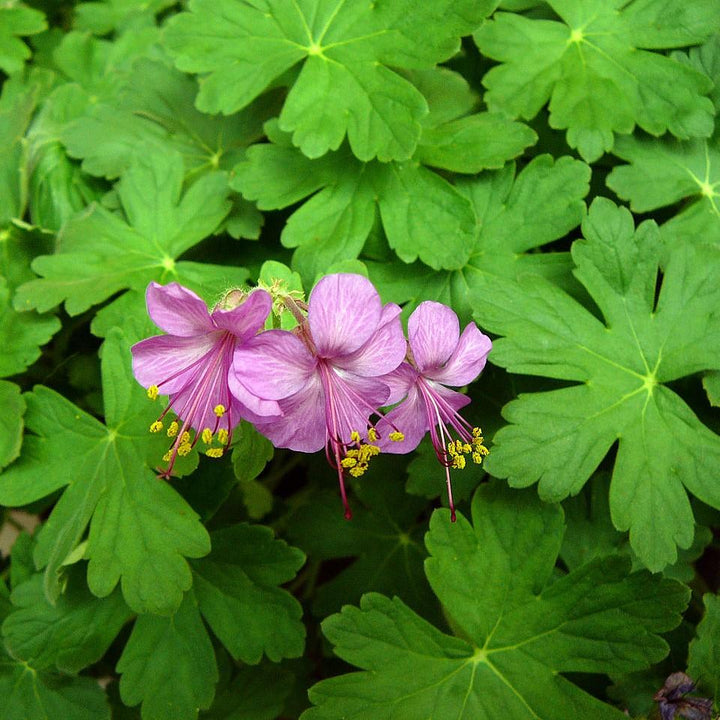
191,363
438,356
327,375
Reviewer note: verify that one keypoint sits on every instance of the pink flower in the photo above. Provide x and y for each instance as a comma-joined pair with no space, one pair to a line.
191,363
327,375
438,356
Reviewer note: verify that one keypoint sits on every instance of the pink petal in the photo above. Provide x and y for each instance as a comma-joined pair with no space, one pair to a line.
246,319
272,365
384,350
400,381
177,310
467,361
344,311
170,362
302,425
251,407
433,331
410,417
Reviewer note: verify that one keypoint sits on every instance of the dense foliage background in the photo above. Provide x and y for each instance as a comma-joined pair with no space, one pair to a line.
551,170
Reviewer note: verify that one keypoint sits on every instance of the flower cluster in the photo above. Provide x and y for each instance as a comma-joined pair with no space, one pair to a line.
323,384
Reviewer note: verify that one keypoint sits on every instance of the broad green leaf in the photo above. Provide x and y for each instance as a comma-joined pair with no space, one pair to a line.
103,17
595,69
100,252
704,651
711,383
70,635
251,452
384,539
169,665
558,438
236,590
11,422
346,85
256,693
514,214
159,112
706,58
29,694
141,528
665,172
16,20
516,634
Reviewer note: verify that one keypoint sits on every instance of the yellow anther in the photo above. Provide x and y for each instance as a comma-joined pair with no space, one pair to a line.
451,448
219,410
156,427
348,462
373,450
359,469
372,435
173,428
355,436
185,438
354,453
214,452
396,436
207,436
458,462
153,392
466,448
477,458
184,449
167,456
477,432
222,436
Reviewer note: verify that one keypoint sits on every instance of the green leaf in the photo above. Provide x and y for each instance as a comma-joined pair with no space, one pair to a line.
103,17
596,70
169,665
711,383
236,589
513,216
251,452
704,651
558,438
516,634
665,172
706,58
29,694
101,253
16,19
72,634
384,540
141,528
11,422
345,86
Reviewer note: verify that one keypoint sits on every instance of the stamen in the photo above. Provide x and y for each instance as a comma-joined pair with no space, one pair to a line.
184,449
214,452
219,410
372,434
396,436
153,392
156,427
172,430
207,436
222,436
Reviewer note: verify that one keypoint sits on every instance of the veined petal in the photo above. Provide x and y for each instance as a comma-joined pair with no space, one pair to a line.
170,362
411,418
343,312
433,332
400,381
246,319
177,310
467,360
302,424
250,406
272,365
384,350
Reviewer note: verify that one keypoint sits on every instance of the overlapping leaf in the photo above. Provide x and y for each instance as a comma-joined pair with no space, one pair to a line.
596,70
514,215
103,17
141,528
558,438
515,634
348,50
704,650
99,252
17,20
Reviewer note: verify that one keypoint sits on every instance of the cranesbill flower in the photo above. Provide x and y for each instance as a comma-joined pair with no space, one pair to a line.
327,374
438,356
191,363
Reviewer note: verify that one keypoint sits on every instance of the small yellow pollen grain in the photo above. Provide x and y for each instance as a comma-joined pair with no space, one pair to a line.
458,462
372,435
355,436
222,436
477,458
207,436
396,436
214,452
348,462
466,448
372,450
359,469
219,410
156,427
353,453
185,438
152,392
173,428
167,456
184,449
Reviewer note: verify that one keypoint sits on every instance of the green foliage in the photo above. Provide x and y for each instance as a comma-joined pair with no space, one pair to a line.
704,653
558,438
513,636
16,20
